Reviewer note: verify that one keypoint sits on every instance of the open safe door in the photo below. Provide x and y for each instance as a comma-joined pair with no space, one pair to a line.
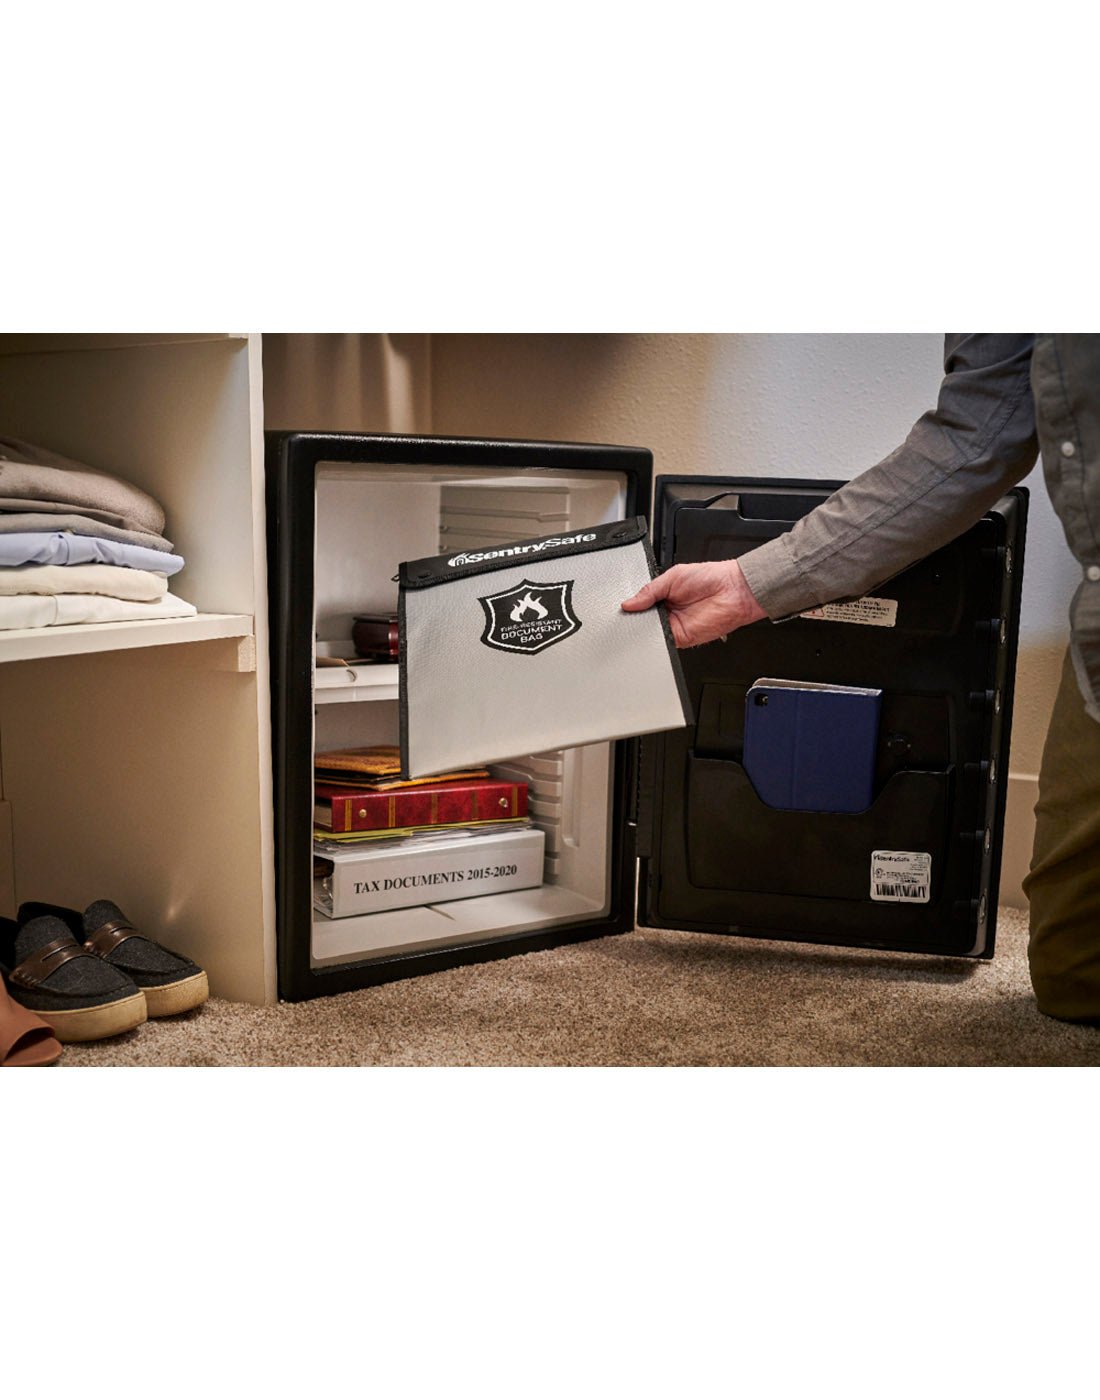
917,868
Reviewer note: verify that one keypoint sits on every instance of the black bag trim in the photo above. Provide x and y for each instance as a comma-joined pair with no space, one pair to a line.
670,641
427,573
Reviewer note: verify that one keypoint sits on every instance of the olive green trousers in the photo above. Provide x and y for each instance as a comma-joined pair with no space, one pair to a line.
1063,885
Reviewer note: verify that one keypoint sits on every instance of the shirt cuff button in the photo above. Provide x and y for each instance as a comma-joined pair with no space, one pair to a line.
1092,573
1068,449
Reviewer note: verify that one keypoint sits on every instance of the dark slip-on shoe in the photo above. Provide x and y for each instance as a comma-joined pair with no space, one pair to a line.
77,994
171,983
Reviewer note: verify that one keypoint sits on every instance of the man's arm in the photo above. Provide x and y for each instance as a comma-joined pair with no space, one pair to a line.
959,459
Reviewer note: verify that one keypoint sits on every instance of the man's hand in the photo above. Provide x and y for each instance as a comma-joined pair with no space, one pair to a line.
704,601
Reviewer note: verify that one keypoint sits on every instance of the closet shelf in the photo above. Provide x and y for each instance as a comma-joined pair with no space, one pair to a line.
32,643
33,344
333,685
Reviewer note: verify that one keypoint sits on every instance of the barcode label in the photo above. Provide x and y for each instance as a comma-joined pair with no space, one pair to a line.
902,892
901,876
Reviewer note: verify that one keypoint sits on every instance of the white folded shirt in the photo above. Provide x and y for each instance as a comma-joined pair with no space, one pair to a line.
135,585
64,609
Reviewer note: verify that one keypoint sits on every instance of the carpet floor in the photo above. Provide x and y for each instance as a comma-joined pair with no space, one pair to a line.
650,997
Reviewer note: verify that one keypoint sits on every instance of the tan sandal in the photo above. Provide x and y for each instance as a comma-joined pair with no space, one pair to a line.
25,1039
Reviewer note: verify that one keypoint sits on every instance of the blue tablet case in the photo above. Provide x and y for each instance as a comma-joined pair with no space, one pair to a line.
811,747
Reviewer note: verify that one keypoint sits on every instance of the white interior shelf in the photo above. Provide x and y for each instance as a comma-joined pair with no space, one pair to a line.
33,643
334,685
441,925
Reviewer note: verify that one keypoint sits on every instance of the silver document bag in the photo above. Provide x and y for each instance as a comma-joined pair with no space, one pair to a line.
521,648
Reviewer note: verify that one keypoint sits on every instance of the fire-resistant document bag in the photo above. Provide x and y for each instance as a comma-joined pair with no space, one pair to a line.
524,647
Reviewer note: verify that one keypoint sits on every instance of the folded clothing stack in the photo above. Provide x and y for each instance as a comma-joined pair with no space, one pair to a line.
79,545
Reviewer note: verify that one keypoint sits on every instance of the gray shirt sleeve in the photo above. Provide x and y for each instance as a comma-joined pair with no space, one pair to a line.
958,459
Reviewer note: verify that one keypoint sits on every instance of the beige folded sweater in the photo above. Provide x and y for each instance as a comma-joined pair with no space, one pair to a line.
135,585
21,522
33,477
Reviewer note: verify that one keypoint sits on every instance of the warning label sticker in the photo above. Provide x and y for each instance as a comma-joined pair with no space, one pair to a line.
870,612
899,877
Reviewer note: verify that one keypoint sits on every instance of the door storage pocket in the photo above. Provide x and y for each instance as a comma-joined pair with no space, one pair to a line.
737,842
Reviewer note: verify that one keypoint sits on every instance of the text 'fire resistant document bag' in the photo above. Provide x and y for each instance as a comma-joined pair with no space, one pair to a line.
523,648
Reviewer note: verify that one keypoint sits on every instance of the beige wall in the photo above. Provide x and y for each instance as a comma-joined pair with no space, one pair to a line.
805,405
347,383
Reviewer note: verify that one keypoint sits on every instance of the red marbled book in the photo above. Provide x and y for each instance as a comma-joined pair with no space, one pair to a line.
430,804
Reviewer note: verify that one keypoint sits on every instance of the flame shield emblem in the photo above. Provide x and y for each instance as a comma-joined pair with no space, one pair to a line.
529,617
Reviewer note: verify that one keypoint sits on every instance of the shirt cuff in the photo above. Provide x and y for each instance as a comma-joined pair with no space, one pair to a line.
776,581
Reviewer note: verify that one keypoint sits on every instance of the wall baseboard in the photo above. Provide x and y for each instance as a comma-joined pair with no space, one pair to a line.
1023,790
